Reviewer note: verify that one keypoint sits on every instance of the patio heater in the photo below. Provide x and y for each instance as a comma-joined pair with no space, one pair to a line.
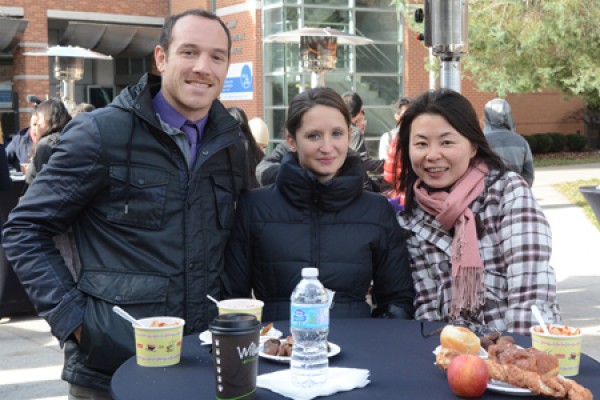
448,25
318,48
68,68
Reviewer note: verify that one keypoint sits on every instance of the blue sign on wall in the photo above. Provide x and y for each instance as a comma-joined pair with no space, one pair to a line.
239,82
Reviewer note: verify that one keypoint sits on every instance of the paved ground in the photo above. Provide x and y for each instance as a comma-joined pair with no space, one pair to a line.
575,253
30,359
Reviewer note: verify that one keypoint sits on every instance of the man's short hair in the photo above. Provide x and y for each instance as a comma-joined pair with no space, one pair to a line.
165,34
353,102
399,104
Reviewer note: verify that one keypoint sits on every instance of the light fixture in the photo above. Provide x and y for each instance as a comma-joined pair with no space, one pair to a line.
318,48
68,67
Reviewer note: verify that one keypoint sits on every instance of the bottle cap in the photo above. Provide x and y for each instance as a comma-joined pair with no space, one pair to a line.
310,272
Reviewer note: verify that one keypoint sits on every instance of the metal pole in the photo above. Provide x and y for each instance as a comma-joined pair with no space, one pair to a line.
450,74
317,79
68,94
449,43
432,79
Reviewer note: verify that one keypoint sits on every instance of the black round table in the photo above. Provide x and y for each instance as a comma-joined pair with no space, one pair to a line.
399,359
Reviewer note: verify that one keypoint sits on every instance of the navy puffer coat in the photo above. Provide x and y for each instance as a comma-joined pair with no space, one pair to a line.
349,234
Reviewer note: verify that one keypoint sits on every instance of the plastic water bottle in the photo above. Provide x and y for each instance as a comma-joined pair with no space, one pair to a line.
309,324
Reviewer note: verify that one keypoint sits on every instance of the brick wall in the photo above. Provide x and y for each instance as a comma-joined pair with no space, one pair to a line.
534,113
177,6
37,32
245,28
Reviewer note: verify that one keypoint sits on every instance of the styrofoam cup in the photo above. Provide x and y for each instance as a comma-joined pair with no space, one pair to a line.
158,346
567,349
245,306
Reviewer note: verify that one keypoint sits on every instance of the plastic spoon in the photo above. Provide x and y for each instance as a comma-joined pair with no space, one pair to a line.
125,315
213,299
538,315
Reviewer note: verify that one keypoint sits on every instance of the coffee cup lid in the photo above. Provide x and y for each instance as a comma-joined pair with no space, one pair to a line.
235,322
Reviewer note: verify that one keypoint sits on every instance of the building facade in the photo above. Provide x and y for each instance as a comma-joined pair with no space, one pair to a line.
263,76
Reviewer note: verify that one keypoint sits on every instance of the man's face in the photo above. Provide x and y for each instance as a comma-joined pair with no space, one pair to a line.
33,127
195,68
43,127
360,121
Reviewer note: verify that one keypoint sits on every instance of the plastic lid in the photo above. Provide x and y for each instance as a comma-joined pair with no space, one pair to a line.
237,322
310,272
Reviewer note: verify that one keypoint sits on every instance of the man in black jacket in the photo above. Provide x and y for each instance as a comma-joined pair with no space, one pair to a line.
359,124
149,185
19,150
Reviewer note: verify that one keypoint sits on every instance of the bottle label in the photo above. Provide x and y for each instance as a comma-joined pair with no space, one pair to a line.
310,316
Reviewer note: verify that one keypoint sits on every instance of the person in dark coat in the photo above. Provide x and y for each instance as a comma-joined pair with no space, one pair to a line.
513,149
359,125
53,116
4,175
268,168
20,149
149,184
255,153
317,214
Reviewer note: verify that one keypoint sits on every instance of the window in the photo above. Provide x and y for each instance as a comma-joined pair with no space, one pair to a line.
100,96
374,71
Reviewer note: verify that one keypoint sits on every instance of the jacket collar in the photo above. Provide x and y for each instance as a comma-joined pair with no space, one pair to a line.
301,187
138,99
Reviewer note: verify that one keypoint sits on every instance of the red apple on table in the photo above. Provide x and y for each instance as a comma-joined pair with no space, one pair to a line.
468,376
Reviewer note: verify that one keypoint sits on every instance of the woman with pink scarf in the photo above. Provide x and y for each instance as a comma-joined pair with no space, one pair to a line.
479,243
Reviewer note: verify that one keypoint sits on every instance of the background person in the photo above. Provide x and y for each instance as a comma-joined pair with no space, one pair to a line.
52,117
479,243
398,107
354,104
268,168
499,130
149,184
317,214
255,153
82,108
389,144
5,180
20,149
260,131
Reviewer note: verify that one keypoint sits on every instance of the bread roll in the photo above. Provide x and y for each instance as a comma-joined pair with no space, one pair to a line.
460,339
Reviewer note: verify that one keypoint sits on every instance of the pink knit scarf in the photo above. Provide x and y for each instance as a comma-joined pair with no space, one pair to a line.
452,210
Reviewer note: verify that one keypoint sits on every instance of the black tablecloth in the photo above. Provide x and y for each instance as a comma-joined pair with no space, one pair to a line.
13,299
401,363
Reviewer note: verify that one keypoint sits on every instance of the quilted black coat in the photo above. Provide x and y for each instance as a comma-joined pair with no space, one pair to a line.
349,234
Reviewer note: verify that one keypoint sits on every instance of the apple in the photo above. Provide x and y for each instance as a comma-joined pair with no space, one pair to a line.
468,376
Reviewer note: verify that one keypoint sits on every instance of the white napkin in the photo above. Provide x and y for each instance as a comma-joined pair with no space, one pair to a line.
338,380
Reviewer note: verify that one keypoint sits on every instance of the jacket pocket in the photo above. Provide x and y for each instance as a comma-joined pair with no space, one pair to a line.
225,198
138,196
107,340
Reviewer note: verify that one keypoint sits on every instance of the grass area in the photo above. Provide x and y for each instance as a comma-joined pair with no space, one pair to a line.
571,191
555,159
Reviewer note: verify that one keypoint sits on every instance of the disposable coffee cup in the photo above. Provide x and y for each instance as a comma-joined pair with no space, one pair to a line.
235,341
245,306
567,349
158,341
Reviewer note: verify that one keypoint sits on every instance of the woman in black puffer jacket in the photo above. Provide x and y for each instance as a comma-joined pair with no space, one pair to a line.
317,214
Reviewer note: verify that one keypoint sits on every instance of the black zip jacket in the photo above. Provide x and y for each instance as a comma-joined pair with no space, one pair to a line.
150,232
349,234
